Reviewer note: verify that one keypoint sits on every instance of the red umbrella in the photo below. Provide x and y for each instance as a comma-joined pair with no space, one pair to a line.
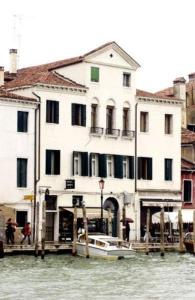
128,220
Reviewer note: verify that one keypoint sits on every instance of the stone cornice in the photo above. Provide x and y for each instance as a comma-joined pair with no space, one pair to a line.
159,100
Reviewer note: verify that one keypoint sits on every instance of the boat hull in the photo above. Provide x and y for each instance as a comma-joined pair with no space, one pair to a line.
189,246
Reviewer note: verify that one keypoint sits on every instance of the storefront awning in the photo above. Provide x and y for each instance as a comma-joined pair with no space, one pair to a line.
162,203
91,213
187,216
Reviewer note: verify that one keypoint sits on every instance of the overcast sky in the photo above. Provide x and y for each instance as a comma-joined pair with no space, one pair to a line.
158,34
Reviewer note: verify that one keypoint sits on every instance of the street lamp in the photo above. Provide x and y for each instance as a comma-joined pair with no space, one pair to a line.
101,184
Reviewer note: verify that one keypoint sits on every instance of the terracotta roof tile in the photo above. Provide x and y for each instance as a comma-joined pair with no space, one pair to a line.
8,95
141,93
187,165
187,136
169,91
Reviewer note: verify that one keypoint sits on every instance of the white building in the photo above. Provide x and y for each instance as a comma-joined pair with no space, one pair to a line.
89,112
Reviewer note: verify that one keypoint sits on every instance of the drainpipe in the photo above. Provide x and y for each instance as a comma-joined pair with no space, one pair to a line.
136,105
36,178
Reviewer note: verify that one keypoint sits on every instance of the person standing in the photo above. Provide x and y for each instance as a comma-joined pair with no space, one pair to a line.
127,230
10,229
26,231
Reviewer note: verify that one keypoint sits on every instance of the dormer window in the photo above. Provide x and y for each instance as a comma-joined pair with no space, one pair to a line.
127,79
94,74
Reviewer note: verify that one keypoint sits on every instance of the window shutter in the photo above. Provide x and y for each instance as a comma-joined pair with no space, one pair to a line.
57,162
25,115
118,166
131,167
56,117
149,171
90,164
84,163
139,167
47,111
73,114
102,165
83,115
48,162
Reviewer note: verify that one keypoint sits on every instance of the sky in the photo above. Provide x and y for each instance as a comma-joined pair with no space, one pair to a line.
158,34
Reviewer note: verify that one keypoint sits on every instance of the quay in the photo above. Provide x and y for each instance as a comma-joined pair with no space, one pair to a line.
65,248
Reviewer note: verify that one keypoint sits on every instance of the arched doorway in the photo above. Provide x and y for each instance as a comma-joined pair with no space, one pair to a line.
112,204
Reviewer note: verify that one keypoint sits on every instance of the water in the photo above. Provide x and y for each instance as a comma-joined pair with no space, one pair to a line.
65,277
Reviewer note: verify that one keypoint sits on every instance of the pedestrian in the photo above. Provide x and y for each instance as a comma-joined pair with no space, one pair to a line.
26,231
127,230
10,229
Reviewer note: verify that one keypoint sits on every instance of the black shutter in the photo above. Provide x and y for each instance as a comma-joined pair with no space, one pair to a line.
118,166
48,162
73,114
56,115
90,164
48,111
73,155
83,115
149,168
102,165
84,163
56,162
131,167
139,167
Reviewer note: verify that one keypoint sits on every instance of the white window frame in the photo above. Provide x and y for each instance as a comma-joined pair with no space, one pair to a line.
110,166
77,164
125,167
94,165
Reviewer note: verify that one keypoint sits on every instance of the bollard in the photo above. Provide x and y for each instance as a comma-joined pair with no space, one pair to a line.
1,249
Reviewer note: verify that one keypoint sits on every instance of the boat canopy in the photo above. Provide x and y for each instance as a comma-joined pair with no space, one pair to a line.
187,216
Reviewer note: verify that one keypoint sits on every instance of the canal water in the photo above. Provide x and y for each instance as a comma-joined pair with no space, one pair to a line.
66,277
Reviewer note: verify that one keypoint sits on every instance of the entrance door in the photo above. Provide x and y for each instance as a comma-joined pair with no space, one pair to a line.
112,204
49,235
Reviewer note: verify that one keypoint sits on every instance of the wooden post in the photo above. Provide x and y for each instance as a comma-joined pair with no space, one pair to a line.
147,230
86,231
180,223
194,230
162,238
74,250
124,223
37,231
43,229
109,222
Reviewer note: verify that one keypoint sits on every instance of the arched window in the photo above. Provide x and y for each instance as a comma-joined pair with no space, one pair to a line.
110,117
126,119
95,129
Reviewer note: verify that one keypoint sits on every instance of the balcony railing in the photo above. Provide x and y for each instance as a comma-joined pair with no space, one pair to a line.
97,130
112,132
128,134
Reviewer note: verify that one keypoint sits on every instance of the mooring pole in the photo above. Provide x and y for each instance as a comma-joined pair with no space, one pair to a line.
86,231
180,223
37,231
147,230
124,223
43,229
162,238
194,231
74,250
109,222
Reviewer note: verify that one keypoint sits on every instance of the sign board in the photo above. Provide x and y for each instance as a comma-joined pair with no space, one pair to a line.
28,197
77,201
70,184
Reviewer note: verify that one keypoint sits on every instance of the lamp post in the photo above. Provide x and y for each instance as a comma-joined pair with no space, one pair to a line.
101,185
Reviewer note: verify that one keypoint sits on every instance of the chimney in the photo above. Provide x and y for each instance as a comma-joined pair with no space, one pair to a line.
179,88
191,77
1,76
13,61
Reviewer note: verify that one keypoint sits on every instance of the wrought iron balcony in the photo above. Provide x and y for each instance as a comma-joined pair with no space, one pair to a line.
129,134
97,130
113,132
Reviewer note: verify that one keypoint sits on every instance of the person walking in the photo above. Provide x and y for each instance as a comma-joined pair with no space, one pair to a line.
10,229
26,231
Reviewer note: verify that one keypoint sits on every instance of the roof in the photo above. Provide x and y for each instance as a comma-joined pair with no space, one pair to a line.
169,91
7,95
187,136
187,165
141,93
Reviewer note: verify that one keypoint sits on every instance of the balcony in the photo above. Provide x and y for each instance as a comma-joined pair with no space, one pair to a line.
112,132
128,134
97,131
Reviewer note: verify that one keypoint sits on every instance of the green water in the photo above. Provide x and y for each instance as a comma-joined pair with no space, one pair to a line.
65,277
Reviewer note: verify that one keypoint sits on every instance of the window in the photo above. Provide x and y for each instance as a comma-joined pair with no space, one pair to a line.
187,190
94,165
94,74
22,125
52,162
110,166
94,115
21,172
125,167
143,121
78,114
109,119
21,218
125,120
52,111
126,79
168,124
145,168
168,169
102,165
80,163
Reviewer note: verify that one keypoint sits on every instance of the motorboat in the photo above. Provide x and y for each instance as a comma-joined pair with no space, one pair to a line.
104,246
189,242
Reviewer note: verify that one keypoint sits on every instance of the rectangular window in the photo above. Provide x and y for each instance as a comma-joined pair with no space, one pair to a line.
21,172
52,162
145,168
144,121
187,190
126,79
125,167
94,115
125,119
94,165
22,122
80,163
94,74
168,124
168,169
110,166
78,114
109,119
52,111
21,218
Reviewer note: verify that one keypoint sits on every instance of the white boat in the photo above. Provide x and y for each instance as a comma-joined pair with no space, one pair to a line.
104,246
